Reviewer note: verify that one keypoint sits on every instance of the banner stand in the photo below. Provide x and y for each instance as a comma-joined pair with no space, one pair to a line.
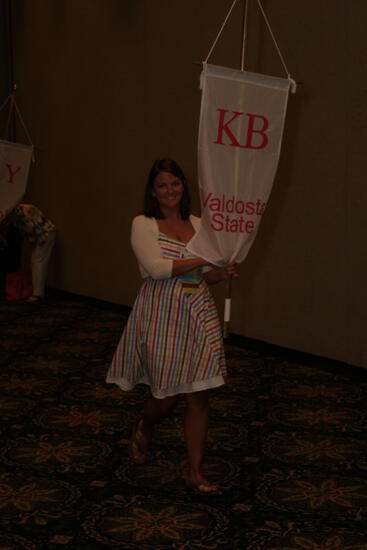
228,298
227,307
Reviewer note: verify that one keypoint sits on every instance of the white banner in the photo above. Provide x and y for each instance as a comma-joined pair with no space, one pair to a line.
15,160
241,127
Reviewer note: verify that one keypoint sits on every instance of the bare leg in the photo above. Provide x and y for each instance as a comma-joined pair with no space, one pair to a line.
154,411
196,428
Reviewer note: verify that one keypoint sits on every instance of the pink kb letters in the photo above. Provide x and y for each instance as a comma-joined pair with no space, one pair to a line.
223,128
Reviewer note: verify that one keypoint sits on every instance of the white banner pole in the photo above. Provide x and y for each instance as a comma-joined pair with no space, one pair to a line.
228,299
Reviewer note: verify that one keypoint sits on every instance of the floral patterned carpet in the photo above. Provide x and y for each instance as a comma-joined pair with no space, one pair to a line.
287,445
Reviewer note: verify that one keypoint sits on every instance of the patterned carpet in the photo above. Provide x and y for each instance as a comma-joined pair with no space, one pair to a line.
287,445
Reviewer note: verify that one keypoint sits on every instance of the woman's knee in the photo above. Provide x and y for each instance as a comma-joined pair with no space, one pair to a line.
168,403
198,401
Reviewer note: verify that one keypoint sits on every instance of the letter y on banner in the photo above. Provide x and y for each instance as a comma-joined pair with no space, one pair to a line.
240,134
15,159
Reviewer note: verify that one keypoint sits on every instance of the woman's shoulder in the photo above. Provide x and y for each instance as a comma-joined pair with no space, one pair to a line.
141,219
142,223
195,220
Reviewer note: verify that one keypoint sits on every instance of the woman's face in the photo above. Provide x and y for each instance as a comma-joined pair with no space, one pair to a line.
168,189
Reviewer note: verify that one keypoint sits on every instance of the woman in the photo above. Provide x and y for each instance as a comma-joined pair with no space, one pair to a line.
172,340
40,232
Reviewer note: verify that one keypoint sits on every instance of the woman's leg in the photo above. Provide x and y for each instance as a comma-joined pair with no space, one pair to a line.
154,411
196,428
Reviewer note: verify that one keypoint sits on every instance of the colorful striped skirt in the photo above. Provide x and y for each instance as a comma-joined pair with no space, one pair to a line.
172,340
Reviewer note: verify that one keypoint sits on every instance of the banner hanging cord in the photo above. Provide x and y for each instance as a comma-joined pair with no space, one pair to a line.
292,81
23,124
273,37
220,32
5,103
10,117
13,106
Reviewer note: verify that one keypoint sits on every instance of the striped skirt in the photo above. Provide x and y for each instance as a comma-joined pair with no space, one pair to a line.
172,340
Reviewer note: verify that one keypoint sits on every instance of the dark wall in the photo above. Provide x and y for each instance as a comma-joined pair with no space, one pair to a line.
6,65
107,86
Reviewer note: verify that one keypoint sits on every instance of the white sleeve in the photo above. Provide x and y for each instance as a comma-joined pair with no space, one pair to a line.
146,248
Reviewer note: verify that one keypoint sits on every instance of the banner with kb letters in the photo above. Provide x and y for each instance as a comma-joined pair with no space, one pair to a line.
240,134
15,161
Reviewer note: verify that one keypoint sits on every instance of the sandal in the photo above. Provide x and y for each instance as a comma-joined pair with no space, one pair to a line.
139,444
203,487
33,298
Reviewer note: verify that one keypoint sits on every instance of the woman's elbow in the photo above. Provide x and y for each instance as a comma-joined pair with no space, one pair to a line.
159,271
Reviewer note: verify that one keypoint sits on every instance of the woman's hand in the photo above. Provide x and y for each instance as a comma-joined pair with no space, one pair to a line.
218,274
231,270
